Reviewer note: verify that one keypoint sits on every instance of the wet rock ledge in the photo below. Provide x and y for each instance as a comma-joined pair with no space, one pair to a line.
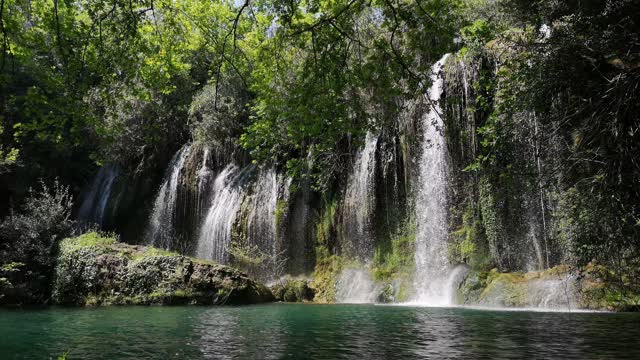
96,270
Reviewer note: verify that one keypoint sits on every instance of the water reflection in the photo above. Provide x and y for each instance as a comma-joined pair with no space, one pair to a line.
228,333
440,333
314,332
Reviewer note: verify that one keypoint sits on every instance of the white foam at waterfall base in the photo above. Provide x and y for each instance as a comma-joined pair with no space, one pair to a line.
162,222
356,286
538,294
433,272
552,294
92,210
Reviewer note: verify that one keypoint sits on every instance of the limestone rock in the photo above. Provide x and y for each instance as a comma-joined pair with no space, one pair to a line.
92,270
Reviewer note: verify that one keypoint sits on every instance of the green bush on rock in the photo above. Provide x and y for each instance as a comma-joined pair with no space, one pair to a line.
293,290
97,270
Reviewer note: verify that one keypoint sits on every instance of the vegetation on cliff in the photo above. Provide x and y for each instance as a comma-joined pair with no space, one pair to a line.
540,108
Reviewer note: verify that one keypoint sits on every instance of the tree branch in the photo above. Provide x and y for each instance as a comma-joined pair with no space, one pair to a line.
325,20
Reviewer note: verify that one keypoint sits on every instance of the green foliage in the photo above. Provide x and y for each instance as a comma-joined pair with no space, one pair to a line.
326,224
477,35
296,85
217,115
328,268
281,209
462,246
12,266
151,252
467,244
7,156
6,270
293,290
398,260
589,226
332,66
246,255
256,262
491,219
571,147
31,235
89,239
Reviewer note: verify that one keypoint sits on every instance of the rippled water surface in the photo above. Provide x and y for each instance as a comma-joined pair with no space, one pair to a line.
314,331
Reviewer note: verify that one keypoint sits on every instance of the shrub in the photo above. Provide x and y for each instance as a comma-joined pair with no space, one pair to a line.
30,236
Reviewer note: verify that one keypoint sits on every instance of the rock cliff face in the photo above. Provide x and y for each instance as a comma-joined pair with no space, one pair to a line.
94,270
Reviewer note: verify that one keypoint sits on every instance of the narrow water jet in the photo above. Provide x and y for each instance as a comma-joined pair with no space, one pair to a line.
536,261
359,202
432,264
94,205
205,175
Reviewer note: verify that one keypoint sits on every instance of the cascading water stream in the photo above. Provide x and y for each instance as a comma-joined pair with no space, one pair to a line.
261,226
243,204
92,210
432,266
359,200
226,198
161,225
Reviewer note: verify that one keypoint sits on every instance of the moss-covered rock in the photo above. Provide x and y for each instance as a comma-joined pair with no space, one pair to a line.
508,289
552,288
96,270
328,268
602,288
591,287
293,290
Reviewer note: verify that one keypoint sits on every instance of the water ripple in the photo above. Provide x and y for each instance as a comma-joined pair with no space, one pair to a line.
289,331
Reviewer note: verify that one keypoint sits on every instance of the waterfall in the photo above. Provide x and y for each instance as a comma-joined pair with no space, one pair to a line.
94,205
536,261
243,205
201,210
226,198
432,265
161,225
300,229
359,200
262,224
